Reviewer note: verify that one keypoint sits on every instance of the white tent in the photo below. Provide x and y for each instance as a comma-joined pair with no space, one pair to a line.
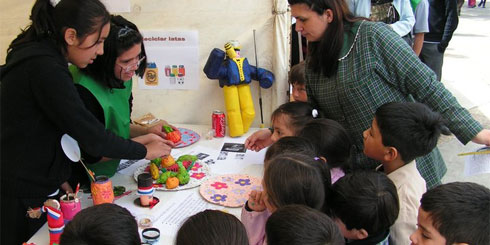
217,22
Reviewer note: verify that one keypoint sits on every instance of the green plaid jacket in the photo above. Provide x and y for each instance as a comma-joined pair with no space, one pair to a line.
376,67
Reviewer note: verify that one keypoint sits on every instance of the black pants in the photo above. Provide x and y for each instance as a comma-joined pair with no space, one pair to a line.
16,227
433,58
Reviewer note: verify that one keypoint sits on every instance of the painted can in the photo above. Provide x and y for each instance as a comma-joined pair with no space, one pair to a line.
181,70
167,70
70,206
102,190
219,124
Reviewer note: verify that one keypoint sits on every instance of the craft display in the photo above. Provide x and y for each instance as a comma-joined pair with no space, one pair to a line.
102,190
229,190
172,135
54,215
235,74
188,137
145,191
169,174
70,205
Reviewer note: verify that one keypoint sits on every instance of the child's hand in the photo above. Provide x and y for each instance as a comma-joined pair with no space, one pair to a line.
255,201
259,140
66,187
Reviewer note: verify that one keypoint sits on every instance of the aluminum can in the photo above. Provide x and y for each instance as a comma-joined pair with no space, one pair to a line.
102,190
167,71
219,124
181,70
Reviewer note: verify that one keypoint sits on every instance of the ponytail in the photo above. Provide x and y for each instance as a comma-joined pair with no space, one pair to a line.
49,19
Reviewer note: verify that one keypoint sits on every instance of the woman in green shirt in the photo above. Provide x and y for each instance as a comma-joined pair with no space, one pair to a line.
105,88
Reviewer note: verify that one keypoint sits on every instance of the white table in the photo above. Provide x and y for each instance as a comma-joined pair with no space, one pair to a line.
252,165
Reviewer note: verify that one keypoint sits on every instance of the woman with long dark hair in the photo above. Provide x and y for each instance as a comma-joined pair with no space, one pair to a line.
354,66
39,103
105,89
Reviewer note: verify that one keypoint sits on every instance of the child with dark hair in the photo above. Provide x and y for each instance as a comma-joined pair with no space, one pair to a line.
297,79
212,227
333,144
400,132
107,224
290,144
454,213
287,120
288,179
364,204
299,224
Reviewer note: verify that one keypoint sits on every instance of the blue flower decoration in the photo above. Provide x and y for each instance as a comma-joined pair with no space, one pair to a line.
243,182
219,198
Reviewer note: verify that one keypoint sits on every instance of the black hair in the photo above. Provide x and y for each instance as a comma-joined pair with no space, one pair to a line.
122,37
412,128
299,224
323,55
290,144
460,211
212,227
102,224
48,22
299,113
332,141
365,200
297,74
297,179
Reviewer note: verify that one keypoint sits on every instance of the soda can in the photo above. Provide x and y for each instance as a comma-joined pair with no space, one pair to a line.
167,70
219,124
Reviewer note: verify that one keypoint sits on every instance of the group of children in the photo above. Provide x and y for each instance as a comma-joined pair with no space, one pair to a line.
370,207
312,195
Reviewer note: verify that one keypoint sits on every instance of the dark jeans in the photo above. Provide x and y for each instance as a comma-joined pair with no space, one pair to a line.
16,227
431,56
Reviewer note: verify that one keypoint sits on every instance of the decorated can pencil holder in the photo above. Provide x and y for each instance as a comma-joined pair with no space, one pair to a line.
70,205
145,189
102,190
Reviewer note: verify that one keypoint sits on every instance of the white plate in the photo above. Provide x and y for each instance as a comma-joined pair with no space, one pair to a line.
194,173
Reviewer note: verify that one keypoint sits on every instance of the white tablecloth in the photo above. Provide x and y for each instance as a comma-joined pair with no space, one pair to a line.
172,201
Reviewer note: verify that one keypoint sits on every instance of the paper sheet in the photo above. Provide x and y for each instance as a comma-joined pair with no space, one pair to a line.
477,164
176,210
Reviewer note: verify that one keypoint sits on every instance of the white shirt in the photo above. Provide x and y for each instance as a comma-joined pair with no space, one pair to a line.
402,27
410,187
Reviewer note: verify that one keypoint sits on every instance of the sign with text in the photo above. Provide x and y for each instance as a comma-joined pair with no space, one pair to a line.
172,60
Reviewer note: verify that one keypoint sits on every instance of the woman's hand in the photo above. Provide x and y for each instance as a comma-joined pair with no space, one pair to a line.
158,130
66,187
255,201
259,140
158,149
483,137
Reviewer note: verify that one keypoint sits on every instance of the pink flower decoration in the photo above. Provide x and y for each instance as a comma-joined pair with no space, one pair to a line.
196,166
198,175
219,185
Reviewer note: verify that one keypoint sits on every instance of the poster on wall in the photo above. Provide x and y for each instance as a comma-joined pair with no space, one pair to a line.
172,60
117,6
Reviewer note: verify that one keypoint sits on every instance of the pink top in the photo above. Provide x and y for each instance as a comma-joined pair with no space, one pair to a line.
254,223
336,174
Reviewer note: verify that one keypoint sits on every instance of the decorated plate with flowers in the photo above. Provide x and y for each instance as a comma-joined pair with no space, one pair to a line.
229,190
189,137
198,173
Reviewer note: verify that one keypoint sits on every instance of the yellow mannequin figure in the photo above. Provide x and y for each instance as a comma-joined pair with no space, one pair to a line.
234,76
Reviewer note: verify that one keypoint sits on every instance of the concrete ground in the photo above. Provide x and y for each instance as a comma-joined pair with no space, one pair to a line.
466,74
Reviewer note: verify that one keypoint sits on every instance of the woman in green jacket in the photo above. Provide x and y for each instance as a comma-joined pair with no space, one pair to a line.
105,88
354,66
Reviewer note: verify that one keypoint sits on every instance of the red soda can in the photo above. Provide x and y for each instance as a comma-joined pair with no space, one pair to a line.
219,124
